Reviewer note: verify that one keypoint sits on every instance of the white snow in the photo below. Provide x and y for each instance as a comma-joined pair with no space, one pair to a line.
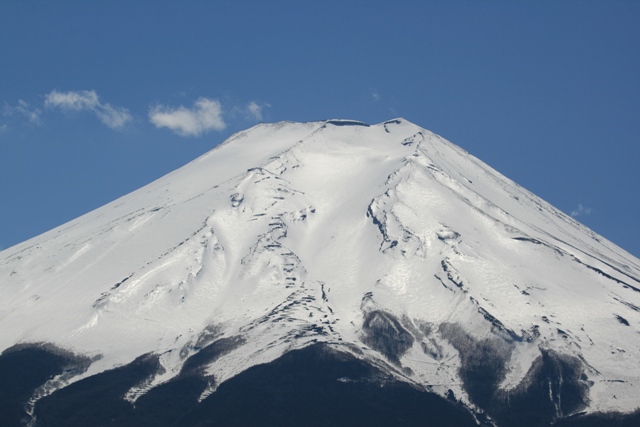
273,232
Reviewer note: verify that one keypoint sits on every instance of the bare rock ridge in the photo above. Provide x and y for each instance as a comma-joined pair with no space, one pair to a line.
324,273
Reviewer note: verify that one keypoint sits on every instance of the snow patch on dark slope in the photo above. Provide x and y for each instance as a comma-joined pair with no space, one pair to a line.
332,271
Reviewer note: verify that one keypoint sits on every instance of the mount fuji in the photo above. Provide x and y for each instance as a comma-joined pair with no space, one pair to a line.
324,273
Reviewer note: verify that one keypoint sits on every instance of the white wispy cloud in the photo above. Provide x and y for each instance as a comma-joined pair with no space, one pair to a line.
205,116
375,95
23,109
31,113
252,111
88,100
581,211
255,110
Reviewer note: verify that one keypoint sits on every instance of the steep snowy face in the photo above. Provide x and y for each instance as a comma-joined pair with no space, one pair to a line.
386,242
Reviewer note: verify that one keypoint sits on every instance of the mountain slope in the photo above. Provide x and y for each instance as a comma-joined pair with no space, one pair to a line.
386,243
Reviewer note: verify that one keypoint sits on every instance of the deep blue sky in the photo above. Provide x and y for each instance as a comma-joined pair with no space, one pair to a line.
546,92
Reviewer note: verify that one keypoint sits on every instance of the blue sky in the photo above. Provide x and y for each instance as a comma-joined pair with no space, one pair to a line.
100,98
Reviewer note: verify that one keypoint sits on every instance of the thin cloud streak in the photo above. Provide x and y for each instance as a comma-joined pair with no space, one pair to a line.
88,100
24,109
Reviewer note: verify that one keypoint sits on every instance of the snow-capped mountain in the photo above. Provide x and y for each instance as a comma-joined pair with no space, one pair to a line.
384,247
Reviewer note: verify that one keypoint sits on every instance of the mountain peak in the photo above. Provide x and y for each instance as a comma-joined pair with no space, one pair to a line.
383,242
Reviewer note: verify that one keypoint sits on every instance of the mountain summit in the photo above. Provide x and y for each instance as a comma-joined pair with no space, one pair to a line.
325,273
